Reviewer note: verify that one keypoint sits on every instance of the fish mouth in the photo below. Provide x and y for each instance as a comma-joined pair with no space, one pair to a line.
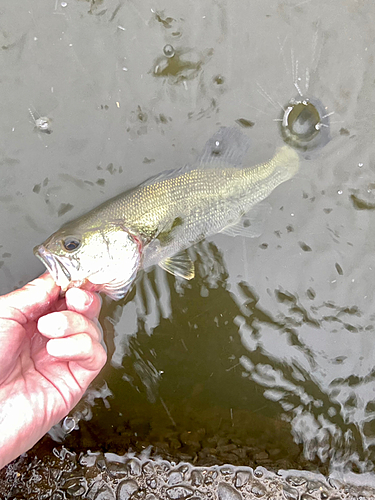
56,268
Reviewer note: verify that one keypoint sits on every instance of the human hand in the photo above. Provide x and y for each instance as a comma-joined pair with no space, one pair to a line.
50,351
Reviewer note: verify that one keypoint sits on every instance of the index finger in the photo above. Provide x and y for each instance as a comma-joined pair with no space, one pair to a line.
33,299
84,302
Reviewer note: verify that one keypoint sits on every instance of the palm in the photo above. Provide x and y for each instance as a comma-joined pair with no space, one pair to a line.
34,370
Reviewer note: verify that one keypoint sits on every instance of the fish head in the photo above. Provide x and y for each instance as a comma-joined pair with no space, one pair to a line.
104,258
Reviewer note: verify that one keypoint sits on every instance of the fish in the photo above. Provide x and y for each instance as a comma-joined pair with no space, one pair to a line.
157,221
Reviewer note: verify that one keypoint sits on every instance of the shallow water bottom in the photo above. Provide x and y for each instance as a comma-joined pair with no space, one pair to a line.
98,476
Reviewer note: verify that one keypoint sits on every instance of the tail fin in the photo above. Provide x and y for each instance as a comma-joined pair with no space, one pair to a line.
287,159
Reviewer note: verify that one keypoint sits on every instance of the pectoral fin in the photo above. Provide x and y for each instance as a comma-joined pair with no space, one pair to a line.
169,232
116,290
179,265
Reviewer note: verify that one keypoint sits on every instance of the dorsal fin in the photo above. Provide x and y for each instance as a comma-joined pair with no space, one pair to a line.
227,145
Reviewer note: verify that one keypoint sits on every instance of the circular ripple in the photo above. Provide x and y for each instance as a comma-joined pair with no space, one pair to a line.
305,124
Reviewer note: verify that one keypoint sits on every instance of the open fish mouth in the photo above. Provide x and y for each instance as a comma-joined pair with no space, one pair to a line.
56,268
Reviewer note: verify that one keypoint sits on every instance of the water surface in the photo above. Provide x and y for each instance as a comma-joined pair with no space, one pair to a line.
266,357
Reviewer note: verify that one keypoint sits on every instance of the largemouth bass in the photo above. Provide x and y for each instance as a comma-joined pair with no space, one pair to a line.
154,222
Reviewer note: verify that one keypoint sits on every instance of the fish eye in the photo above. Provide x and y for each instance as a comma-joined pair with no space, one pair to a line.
70,243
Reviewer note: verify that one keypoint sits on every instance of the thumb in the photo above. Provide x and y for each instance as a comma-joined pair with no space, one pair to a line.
30,301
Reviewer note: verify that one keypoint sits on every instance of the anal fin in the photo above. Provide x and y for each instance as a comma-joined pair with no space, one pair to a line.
179,265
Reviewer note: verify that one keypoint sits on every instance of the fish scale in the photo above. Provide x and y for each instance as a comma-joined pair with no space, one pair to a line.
154,222
148,208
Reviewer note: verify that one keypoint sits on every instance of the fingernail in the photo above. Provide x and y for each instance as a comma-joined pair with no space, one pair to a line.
79,298
53,324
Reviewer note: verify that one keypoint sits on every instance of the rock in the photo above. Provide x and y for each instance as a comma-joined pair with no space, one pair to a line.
126,488
263,455
134,467
75,487
196,478
100,491
179,492
296,480
175,478
210,476
290,493
258,490
227,492
242,477
104,493
117,470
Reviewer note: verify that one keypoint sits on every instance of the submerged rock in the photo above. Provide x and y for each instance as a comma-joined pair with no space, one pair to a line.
127,477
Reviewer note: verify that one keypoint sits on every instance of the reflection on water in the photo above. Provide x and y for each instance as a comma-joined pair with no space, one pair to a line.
180,382
223,380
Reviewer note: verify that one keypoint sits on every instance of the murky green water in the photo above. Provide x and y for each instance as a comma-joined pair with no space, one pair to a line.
267,356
